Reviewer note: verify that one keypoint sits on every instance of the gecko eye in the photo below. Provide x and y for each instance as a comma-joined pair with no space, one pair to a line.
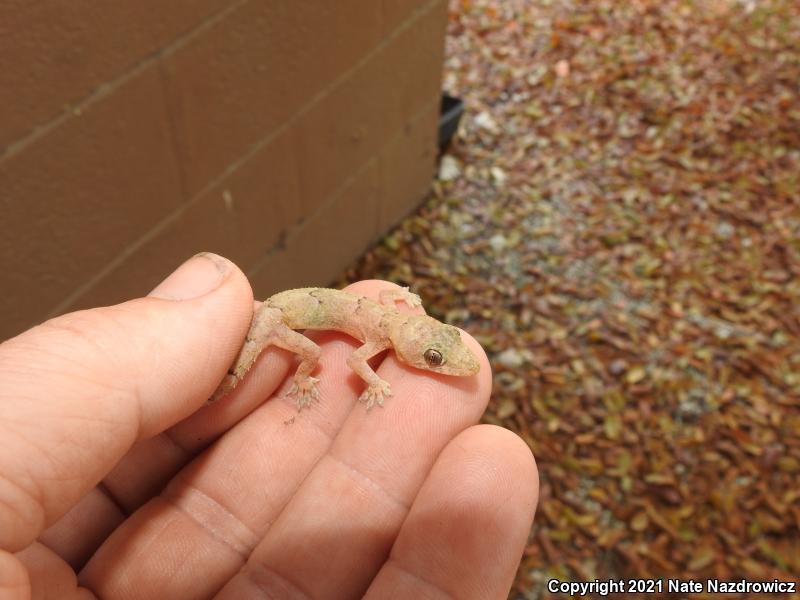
433,357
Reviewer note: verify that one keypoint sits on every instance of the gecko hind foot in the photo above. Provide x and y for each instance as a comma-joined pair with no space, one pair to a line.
304,392
376,394
389,297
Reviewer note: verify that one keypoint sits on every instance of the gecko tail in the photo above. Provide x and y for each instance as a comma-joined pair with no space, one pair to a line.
247,357
224,388
259,336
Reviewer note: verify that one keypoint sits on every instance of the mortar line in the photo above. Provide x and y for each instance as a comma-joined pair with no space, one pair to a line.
295,230
105,88
173,132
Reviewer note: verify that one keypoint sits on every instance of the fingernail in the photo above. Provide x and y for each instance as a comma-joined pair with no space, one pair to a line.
199,275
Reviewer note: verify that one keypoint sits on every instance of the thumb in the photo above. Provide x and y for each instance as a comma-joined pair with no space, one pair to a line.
78,391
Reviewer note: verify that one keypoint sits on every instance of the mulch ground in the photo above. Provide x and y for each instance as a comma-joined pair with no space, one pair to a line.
618,223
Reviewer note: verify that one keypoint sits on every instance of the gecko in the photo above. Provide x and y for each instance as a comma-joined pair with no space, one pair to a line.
418,340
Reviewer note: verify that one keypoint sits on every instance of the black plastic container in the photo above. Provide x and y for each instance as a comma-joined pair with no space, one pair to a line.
451,111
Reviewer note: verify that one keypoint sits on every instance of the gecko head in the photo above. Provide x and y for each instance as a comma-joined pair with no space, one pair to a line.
423,342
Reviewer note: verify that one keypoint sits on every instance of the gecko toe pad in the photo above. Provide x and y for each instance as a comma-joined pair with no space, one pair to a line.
376,394
304,391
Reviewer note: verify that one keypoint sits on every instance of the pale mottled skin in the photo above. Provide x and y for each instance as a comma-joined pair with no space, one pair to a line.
418,340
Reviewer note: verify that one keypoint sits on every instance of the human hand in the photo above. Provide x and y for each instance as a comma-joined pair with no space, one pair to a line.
112,467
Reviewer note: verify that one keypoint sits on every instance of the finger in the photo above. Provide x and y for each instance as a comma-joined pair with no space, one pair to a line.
215,511
80,389
76,535
151,463
50,577
469,524
358,494
14,581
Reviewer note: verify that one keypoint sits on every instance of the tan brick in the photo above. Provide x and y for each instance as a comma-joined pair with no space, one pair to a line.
358,117
54,53
243,217
336,235
244,77
407,167
77,197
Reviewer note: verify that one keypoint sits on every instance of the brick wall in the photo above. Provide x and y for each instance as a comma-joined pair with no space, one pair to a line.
285,135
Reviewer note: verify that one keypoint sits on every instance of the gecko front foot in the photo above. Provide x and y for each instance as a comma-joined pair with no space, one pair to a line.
304,391
375,393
